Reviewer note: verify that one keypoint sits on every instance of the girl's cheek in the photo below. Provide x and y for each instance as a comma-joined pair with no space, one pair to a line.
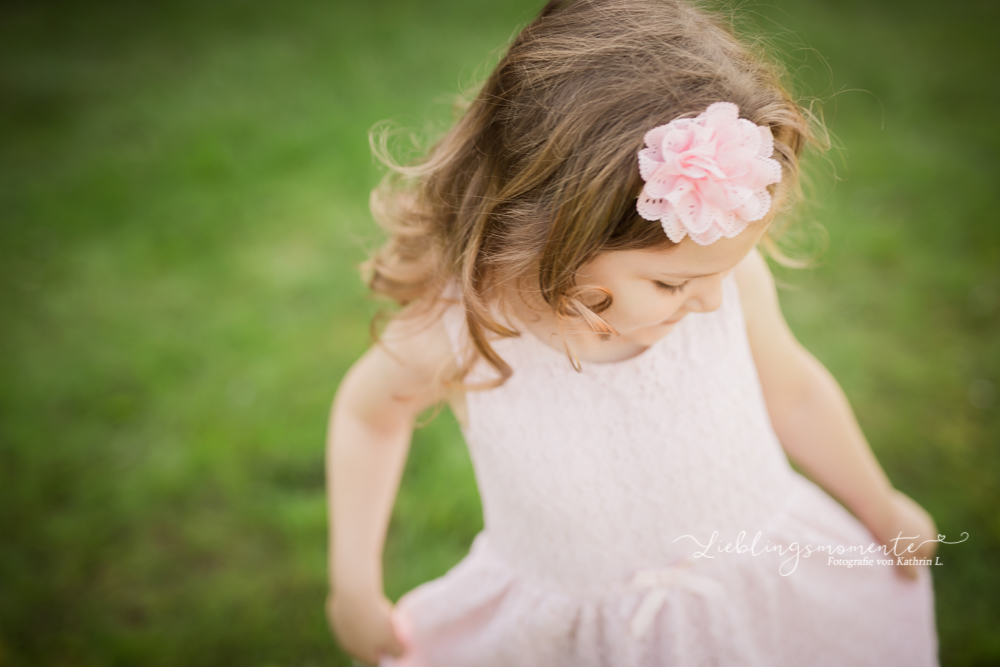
672,304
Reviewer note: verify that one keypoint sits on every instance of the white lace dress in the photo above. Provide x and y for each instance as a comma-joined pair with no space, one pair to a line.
601,492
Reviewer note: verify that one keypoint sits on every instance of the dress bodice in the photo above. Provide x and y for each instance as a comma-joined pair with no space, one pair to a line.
606,469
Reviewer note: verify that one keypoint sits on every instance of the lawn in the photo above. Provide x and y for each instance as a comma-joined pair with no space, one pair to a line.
183,201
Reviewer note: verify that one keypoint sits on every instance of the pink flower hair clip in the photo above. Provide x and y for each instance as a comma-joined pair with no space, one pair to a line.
707,177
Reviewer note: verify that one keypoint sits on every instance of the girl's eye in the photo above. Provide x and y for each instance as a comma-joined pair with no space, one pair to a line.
670,288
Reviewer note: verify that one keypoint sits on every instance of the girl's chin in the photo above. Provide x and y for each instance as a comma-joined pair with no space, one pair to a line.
662,326
652,333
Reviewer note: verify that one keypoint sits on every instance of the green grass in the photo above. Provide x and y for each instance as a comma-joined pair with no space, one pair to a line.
183,201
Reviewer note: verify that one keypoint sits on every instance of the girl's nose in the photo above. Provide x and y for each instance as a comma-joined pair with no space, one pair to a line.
707,297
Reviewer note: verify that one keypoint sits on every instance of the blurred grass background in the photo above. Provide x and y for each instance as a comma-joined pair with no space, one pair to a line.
183,200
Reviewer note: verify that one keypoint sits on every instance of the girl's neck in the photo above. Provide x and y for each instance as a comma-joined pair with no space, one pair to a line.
542,323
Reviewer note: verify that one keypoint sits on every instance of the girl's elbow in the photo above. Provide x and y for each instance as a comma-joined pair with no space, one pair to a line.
794,404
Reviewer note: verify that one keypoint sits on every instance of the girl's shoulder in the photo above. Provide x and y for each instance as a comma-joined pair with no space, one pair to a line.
403,373
783,365
418,338
755,283
421,345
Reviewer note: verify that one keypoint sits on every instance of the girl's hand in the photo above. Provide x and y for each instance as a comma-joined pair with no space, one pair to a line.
917,529
363,626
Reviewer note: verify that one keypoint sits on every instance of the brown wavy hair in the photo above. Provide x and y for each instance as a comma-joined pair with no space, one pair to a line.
539,175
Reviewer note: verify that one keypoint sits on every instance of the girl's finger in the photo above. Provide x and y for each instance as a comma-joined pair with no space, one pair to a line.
402,626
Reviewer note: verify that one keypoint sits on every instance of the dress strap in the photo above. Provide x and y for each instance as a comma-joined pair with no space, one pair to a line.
454,321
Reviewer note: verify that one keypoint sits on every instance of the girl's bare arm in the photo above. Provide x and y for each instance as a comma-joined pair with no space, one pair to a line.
371,425
812,417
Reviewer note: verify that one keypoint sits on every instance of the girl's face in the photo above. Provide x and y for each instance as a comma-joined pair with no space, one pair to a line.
653,290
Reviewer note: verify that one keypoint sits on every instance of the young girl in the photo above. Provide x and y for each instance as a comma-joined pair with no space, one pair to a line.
577,260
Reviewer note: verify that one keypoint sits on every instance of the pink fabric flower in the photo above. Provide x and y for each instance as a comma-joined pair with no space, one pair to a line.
707,177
